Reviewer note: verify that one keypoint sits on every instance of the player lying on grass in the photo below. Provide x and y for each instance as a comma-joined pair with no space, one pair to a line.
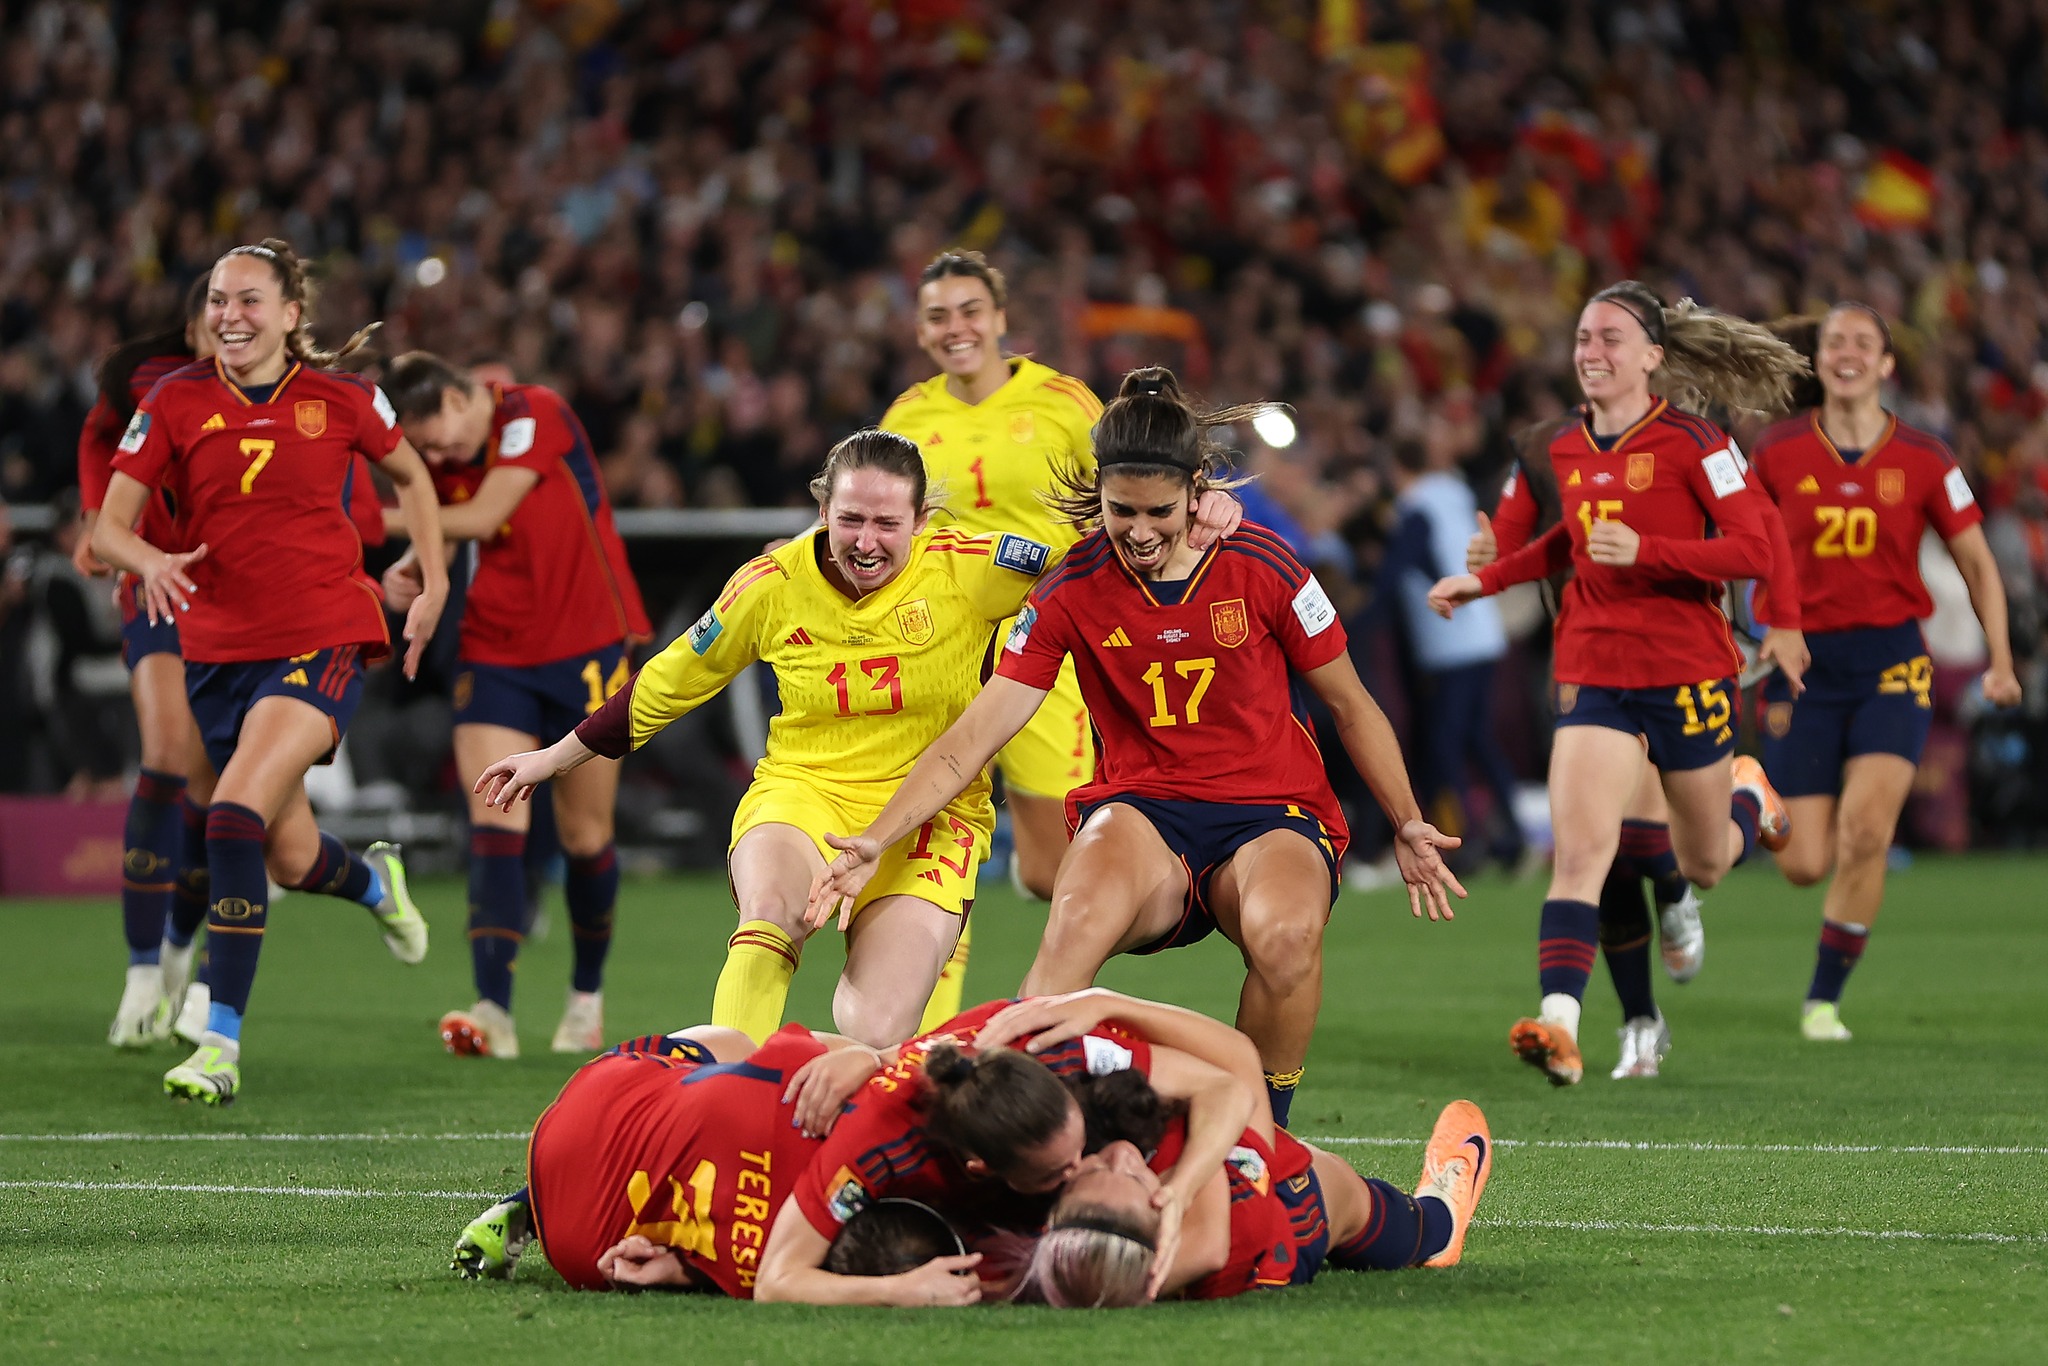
1210,808
691,1141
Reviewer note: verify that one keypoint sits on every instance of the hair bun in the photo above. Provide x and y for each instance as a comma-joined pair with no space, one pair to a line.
947,1065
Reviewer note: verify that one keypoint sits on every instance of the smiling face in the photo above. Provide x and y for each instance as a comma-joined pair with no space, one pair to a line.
870,519
456,433
959,325
248,315
1613,356
1146,517
1851,359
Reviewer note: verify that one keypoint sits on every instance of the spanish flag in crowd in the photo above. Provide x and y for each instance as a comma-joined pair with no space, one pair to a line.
1897,192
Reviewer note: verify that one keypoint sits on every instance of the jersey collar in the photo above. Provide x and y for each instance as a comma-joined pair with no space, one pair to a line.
1144,586
1628,435
1016,364
242,394
1891,424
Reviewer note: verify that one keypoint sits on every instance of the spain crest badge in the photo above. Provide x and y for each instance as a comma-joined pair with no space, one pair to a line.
1231,623
1642,470
311,417
1891,486
914,620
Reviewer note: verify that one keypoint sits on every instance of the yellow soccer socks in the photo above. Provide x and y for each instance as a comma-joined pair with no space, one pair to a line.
753,986
945,1002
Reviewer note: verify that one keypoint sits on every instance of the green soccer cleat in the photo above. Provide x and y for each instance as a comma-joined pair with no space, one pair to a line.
212,1076
494,1242
405,929
1821,1022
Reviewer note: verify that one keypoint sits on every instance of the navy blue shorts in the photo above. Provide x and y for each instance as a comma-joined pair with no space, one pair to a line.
1206,835
1303,1197
138,638
1868,691
222,694
1688,725
542,700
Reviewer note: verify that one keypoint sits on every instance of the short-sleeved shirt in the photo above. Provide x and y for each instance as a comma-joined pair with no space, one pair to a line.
1262,1233
553,582
1193,696
98,443
264,487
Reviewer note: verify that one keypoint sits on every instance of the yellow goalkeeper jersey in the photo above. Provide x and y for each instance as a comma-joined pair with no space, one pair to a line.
866,684
995,458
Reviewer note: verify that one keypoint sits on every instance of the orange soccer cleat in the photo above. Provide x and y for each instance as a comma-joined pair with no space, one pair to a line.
485,1030
1773,822
1546,1044
1455,1166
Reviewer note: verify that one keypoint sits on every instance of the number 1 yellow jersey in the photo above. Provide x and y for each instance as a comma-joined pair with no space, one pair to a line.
995,458
866,684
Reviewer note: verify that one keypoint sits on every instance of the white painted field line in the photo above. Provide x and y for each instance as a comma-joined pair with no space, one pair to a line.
1628,1145
1759,1231
183,1188
487,1136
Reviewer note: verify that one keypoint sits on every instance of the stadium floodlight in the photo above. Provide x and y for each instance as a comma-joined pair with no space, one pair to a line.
1275,428
430,272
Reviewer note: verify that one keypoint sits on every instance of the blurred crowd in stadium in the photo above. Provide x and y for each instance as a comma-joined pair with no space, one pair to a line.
702,222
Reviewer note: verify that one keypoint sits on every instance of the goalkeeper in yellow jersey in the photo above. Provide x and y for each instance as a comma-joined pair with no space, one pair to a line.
875,627
995,431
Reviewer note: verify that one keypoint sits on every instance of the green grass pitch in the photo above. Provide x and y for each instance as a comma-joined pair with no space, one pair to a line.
1883,1201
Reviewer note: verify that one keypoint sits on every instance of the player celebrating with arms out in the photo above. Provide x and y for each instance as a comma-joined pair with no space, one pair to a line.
274,611
1858,488
515,473
874,627
1643,654
996,431
1211,809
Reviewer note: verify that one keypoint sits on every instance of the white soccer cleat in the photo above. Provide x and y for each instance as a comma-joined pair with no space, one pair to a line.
1681,938
143,1017
211,1076
485,1030
405,929
1821,1022
177,969
582,1026
192,1016
1644,1043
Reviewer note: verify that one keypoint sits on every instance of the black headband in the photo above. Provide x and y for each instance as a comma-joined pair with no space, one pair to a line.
1655,334
1884,329
1099,1225
1172,459
959,1247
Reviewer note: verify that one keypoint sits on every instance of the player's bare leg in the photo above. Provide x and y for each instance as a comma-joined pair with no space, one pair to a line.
1120,889
1272,900
771,869
1708,843
1809,856
1038,825
894,951
586,799
1874,792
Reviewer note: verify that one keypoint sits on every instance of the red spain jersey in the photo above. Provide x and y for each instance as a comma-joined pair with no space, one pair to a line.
1855,525
553,582
1192,699
696,1157
97,443
265,487
1679,482
1263,1236
879,1149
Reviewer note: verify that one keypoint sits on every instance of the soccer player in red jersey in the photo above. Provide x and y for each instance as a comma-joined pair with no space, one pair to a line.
1858,488
1644,658
273,608
516,474
1210,808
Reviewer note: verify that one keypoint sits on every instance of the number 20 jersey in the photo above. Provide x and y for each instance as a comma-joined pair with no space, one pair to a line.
1193,700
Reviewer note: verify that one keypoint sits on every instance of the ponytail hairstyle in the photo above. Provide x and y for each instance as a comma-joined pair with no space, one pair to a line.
418,380
1802,333
298,288
1092,1256
967,263
992,1106
1711,357
1152,429
875,449
120,364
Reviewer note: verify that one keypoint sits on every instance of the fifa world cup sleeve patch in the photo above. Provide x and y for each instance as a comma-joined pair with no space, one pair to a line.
707,630
848,1197
1507,490
137,433
1741,460
517,439
1724,476
1952,483
1022,554
1313,608
1104,1057
1021,632
383,407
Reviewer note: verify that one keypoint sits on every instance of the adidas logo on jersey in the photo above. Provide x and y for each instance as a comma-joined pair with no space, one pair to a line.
1809,485
1116,638
215,423
799,637
1574,481
937,438
297,678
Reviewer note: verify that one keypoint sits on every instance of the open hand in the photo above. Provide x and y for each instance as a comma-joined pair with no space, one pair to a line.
165,587
1454,592
1043,1021
514,777
843,878
822,1086
940,1281
1786,648
1424,870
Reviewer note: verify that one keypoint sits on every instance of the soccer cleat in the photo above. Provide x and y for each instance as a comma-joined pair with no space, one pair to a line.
143,1017
1681,938
1821,1022
192,1017
1455,1166
1644,1043
494,1241
1548,1045
405,929
177,966
211,1076
582,1026
485,1030
1773,821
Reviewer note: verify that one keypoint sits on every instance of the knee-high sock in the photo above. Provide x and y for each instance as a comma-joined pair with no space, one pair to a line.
1745,811
1567,942
497,909
337,872
1280,1089
1647,845
592,891
946,994
1625,940
1841,948
760,958
239,909
149,864
1402,1230
188,905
